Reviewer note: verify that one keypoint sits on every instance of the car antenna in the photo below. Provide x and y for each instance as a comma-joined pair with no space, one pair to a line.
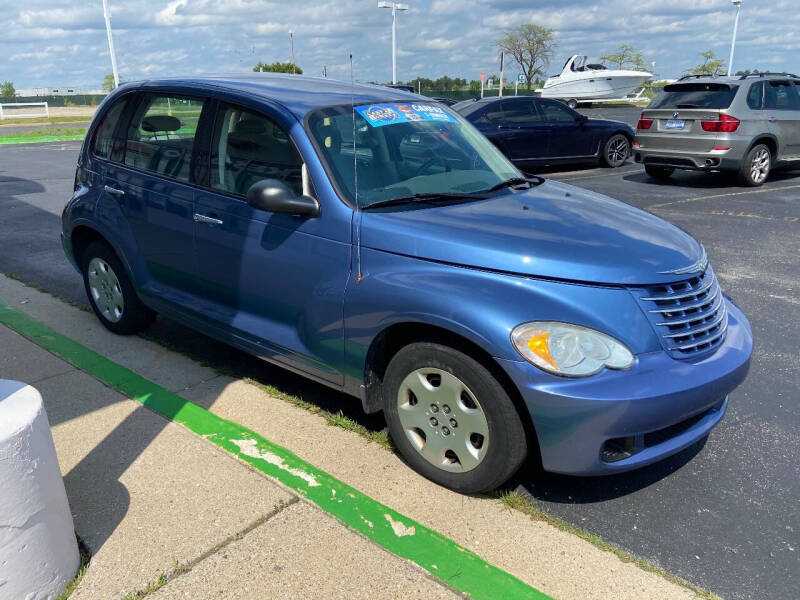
359,274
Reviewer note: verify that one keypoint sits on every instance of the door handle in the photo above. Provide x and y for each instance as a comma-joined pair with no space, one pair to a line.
198,218
772,119
112,191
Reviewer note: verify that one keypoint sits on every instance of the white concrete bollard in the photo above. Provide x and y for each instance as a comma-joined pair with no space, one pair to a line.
38,550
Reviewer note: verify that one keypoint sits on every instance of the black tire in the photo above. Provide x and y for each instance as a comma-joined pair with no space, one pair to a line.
616,150
661,173
756,166
133,315
572,103
506,443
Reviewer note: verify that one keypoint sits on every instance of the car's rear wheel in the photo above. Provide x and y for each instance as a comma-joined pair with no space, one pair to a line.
451,420
572,103
111,292
658,172
756,166
616,150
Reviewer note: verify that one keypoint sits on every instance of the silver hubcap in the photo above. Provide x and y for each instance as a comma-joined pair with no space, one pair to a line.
106,290
759,168
443,420
617,150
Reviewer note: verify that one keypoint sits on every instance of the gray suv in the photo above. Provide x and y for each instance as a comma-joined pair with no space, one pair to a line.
747,125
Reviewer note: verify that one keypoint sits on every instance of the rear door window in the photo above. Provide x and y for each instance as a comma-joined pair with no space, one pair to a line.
520,112
716,96
161,135
104,135
781,95
248,147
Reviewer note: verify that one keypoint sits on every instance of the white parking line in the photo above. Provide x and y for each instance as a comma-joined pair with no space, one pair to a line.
613,174
726,195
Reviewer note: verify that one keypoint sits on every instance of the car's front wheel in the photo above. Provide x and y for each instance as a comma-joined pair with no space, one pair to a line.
111,293
451,419
756,166
616,150
658,172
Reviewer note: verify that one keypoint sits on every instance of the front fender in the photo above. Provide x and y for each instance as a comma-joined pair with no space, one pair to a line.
481,306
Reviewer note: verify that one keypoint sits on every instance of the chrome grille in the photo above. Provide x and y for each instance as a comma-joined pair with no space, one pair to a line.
689,316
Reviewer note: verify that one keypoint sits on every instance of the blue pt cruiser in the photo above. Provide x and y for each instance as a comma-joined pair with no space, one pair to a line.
374,241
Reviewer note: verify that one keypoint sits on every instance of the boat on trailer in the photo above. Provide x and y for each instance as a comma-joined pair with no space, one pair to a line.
580,81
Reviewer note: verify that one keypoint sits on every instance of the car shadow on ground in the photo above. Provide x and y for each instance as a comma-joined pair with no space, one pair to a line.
538,484
711,180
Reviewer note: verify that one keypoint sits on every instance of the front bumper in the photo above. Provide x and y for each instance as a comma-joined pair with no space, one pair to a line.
662,404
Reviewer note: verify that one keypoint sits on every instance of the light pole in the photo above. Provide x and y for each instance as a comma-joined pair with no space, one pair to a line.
291,42
395,6
738,5
107,16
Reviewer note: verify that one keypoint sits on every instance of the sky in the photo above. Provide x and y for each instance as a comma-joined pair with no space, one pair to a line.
45,43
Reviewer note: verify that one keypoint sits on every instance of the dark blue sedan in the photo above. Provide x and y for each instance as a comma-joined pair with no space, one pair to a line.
537,131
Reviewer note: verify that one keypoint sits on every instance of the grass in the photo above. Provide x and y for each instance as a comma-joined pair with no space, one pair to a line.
52,131
85,557
150,588
46,121
515,501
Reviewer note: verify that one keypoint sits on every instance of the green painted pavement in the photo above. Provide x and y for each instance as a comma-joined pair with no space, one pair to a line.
456,566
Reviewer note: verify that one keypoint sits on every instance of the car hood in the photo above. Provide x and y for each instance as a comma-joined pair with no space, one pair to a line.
553,230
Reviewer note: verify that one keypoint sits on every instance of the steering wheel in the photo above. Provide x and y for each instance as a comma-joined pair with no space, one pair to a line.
434,159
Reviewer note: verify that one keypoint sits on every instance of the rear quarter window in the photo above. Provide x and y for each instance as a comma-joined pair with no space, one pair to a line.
104,135
716,96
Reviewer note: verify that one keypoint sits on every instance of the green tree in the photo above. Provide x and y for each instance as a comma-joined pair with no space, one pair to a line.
277,67
711,65
475,85
626,56
531,46
7,90
108,82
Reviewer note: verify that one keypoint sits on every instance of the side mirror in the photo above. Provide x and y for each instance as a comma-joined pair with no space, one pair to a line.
581,118
273,195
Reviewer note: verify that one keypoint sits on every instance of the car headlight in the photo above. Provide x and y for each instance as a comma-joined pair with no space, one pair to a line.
569,350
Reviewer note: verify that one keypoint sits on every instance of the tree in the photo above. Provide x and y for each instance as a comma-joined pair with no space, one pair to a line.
7,90
531,46
626,56
711,65
108,82
277,67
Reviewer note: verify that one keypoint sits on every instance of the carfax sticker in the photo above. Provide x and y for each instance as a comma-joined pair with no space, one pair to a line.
392,113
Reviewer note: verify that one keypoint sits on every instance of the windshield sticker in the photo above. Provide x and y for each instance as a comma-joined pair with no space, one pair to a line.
379,115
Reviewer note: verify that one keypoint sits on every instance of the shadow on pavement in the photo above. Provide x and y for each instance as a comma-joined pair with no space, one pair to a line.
567,489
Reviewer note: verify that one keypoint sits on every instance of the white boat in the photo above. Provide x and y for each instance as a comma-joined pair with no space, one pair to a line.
582,82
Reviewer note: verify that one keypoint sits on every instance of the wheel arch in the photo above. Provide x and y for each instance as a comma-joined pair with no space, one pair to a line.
398,335
767,139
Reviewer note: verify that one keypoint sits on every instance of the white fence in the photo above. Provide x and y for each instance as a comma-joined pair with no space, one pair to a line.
9,114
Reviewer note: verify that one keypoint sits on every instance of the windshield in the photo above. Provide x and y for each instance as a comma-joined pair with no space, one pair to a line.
716,96
403,149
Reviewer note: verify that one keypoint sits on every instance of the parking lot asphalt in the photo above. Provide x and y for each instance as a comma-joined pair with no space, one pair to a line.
722,514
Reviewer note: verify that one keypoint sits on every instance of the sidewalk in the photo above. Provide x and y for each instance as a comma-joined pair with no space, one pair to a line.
151,498
148,498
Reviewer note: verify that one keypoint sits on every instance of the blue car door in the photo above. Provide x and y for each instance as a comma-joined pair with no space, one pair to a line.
274,282
150,188
569,136
528,134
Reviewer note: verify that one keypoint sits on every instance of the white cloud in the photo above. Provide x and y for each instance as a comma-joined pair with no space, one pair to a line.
60,42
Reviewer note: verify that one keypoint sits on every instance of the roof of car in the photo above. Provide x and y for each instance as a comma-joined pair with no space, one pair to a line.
298,93
708,78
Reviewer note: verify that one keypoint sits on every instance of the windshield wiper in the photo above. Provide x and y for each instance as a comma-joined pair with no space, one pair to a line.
531,181
426,197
